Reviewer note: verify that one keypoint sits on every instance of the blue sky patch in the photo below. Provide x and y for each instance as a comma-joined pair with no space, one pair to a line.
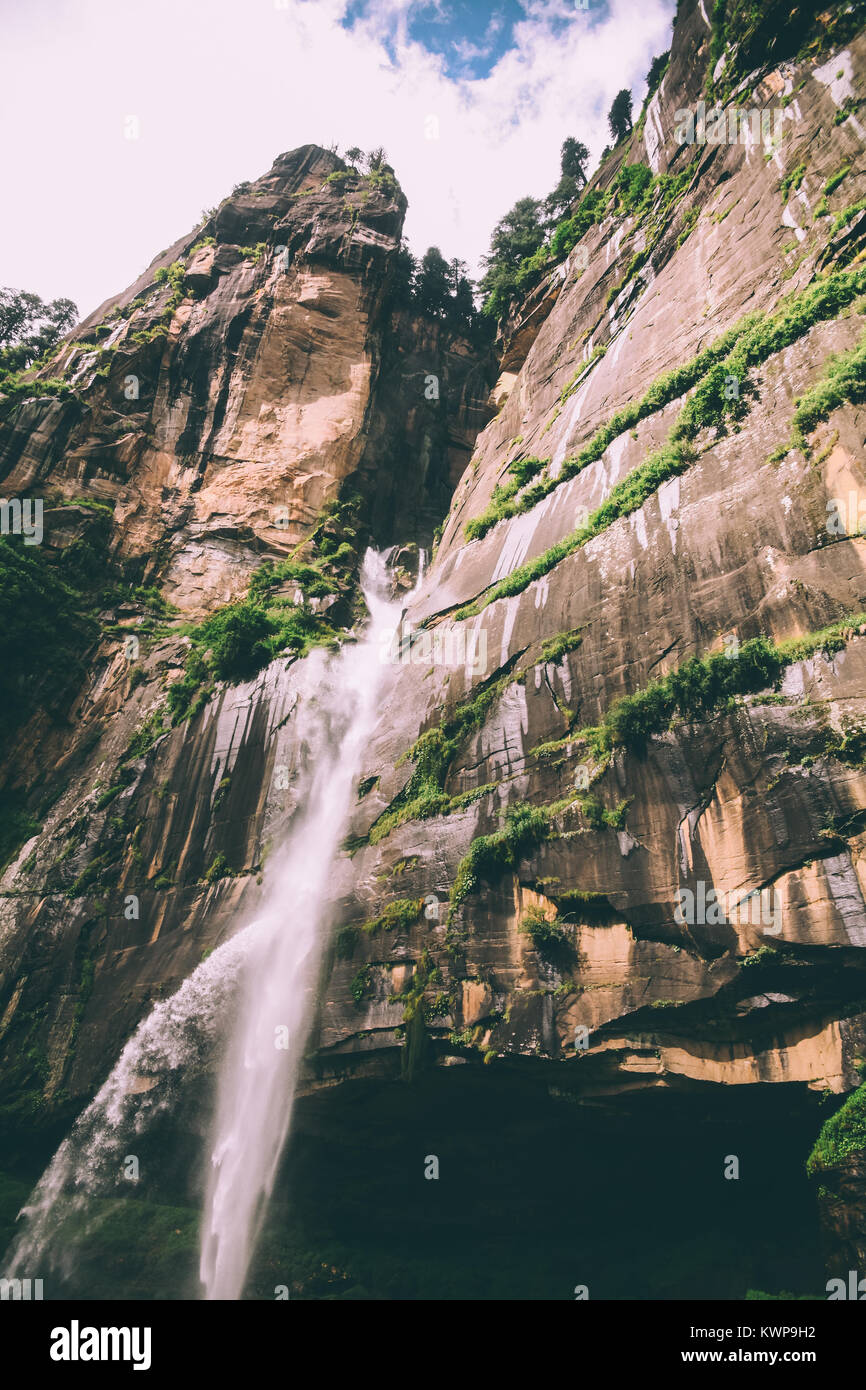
469,36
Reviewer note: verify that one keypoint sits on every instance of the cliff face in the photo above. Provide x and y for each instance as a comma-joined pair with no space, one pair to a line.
657,486
728,545
208,419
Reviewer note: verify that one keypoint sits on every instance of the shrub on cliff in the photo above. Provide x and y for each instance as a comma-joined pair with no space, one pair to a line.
44,618
239,637
547,934
843,1134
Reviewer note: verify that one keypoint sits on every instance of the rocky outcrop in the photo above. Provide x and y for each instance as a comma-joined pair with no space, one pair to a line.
257,372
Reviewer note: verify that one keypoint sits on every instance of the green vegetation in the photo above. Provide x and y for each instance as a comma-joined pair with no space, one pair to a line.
30,329
848,107
847,215
569,232
220,868
619,116
174,276
703,685
414,1053
689,221
48,603
743,347
516,240
835,179
236,641
525,828
550,938
502,501
555,648
844,379
791,182
360,985
254,253
400,914
717,39
432,753
843,1134
598,815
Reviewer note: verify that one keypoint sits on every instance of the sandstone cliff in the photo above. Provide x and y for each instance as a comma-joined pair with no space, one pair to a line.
638,656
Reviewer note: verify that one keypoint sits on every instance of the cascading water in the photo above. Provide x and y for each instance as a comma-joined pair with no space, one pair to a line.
263,976
258,1076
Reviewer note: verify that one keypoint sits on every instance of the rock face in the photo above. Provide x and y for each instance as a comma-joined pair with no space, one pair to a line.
561,947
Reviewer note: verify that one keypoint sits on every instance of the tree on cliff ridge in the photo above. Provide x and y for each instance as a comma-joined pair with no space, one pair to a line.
619,115
572,159
30,327
516,237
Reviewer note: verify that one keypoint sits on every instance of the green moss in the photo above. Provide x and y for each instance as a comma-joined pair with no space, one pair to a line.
847,215
401,913
835,179
144,737
843,1134
745,346
415,1049
525,828
843,380
360,985
236,641
220,868
765,955
346,941
848,107
502,501
637,262
555,648
253,253
424,795
689,223
791,182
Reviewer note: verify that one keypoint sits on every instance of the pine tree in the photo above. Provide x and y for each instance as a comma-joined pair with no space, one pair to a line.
619,116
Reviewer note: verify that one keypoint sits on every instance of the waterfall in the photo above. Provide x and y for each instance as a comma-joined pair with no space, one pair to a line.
258,1075
262,978
176,1034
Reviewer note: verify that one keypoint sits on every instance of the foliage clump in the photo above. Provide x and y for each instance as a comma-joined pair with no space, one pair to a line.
843,1134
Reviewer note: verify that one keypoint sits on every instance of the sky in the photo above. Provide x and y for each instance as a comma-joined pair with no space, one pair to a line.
124,119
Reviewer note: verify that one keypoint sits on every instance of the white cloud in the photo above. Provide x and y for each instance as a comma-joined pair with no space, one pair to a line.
222,86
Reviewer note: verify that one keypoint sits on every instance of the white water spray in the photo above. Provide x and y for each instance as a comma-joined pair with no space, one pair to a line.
259,1073
176,1035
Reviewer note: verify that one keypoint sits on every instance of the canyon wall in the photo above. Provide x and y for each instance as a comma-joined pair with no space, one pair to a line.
517,886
